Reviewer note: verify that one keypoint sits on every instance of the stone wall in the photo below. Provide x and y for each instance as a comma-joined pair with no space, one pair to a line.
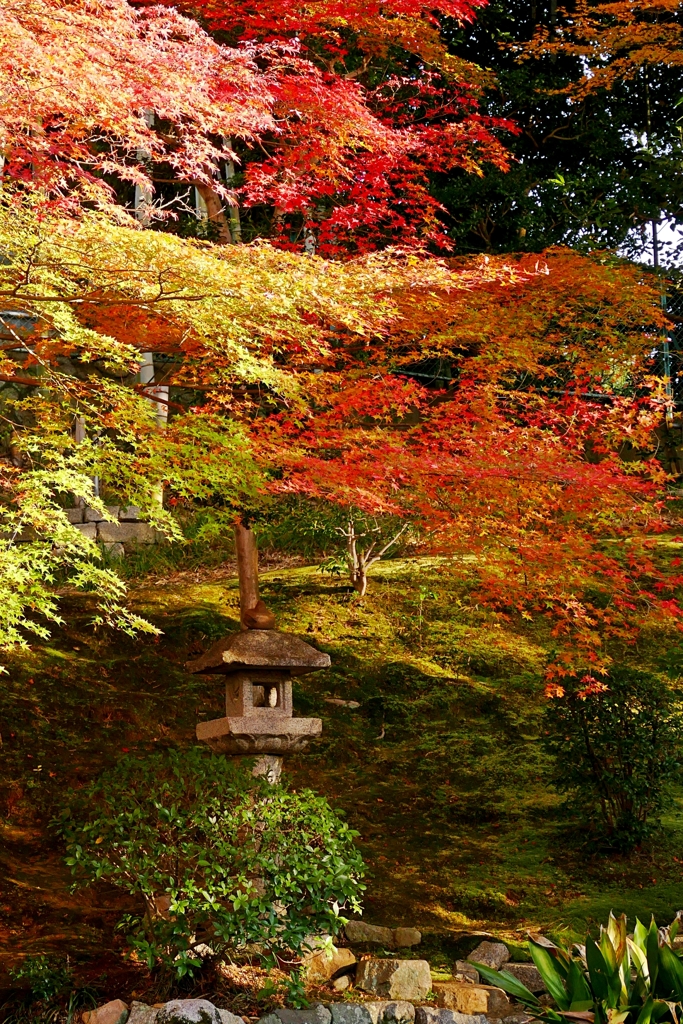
123,534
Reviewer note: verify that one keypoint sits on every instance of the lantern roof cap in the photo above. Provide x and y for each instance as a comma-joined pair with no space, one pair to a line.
260,648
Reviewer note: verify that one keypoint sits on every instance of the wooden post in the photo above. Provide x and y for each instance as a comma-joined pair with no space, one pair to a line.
253,612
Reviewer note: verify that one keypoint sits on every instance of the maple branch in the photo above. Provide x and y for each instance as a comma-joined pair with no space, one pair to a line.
386,547
144,389
15,293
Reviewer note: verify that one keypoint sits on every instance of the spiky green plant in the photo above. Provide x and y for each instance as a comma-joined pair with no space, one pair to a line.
620,979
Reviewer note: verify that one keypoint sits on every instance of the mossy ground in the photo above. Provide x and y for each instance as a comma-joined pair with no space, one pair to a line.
441,768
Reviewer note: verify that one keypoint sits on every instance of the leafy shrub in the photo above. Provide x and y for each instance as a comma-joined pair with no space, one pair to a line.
53,994
616,746
46,977
214,855
619,979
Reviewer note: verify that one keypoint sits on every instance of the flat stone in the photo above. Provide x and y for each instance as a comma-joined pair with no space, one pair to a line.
229,1018
260,648
75,515
360,933
407,937
319,966
464,971
472,999
490,954
114,1012
141,1013
439,1015
126,533
315,1014
351,1013
188,1011
88,530
528,974
115,551
408,980
131,513
93,516
338,702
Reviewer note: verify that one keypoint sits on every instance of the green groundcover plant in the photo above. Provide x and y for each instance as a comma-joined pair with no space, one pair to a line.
218,859
620,979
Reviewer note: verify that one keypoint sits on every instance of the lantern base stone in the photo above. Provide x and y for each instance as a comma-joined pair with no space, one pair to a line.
253,734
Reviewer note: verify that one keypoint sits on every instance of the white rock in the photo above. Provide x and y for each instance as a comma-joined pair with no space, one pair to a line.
229,1018
188,1011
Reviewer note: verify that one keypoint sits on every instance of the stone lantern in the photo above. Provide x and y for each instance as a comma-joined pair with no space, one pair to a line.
259,663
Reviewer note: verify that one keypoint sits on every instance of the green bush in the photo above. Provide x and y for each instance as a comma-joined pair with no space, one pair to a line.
620,979
616,748
51,992
215,856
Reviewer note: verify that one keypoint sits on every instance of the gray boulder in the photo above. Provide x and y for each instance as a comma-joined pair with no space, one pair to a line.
528,974
490,954
350,1013
397,1012
406,937
464,971
438,1015
141,1013
315,1014
358,932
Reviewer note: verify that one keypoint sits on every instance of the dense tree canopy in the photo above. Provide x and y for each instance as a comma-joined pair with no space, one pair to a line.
592,89
291,373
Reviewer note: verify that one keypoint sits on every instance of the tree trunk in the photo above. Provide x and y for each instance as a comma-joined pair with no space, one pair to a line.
215,213
247,570
360,581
